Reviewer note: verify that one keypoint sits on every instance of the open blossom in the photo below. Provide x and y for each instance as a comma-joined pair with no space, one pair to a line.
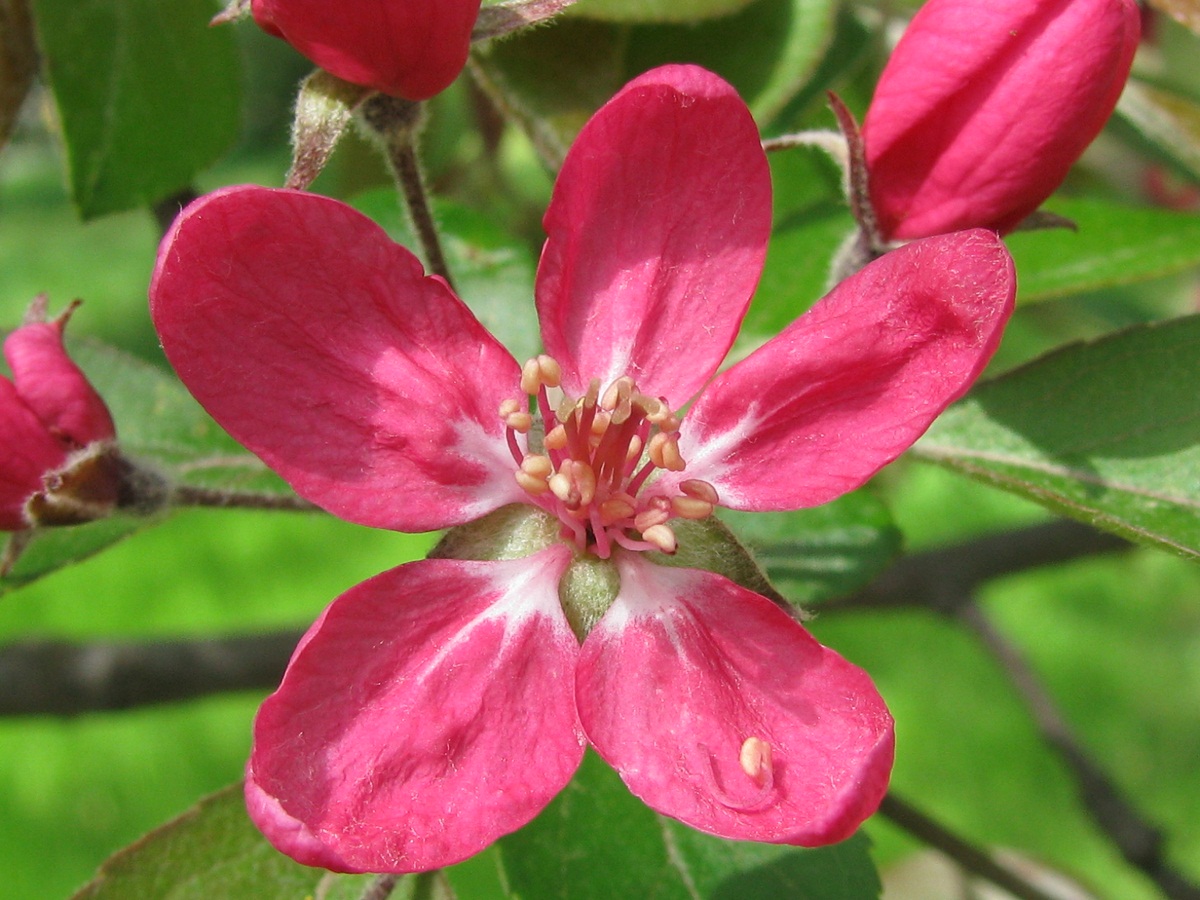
442,704
55,464
984,106
407,48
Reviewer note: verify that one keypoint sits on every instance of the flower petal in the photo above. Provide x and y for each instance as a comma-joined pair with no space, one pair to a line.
321,345
689,678
410,48
53,386
27,452
656,235
984,106
428,712
853,382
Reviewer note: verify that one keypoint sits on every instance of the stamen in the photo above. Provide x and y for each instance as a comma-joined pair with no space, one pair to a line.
662,537
551,371
531,377
531,483
691,508
555,439
664,452
614,509
701,490
537,465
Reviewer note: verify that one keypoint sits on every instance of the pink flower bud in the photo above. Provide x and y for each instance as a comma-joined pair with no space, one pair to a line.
984,106
407,48
53,422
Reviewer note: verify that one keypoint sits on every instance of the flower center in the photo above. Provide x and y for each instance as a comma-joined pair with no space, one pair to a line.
597,453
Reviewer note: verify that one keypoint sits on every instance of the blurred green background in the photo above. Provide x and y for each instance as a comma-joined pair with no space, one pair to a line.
1116,639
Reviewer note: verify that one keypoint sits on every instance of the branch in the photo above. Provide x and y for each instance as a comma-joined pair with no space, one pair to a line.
1139,842
65,679
945,579
967,855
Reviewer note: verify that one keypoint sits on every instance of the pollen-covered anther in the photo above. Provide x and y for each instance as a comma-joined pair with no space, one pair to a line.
691,508
663,450
755,760
614,509
700,490
661,536
516,416
555,439
657,514
538,372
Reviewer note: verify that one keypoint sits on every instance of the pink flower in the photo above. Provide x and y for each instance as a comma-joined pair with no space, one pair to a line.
442,704
55,429
407,48
984,106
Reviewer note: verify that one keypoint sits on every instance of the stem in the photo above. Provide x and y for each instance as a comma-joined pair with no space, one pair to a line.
967,855
1139,842
397,122
381,888
193,495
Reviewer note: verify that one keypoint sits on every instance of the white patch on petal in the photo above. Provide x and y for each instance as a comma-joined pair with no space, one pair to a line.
478,448
707,456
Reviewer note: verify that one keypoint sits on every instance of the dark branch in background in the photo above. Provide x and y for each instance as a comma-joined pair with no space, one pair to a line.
945,579
972,858
64,679
1140,843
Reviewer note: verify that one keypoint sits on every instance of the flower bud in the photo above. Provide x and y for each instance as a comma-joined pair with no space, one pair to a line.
407,48
984,106
59,463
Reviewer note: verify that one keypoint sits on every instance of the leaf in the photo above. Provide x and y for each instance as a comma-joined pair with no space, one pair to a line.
655,10
596,840
1106,432
826,551
1185,12
213,850
1115,245
18,62
553,79
493,273
1169,121
147,94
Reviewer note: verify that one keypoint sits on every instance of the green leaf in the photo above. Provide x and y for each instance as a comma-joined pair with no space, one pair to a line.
553,79
147,94
596,840
1166,120
827,551
1115,245
1106,432
654,10
213,850
493,273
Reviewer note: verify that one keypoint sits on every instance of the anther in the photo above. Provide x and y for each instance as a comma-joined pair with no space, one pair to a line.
664,452
551,371
531,483
564,488
651,516
566,408
661,536
555,439
531,377
614,509
516,416
755,760
537,465
701,490
691,508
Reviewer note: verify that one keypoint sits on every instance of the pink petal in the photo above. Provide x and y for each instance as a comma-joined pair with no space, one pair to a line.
428,712
984,106
321,345
27,452
688,674
54,387
853,382
408,48
656,235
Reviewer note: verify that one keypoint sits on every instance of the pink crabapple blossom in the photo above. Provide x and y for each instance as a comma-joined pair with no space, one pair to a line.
442,704
56,466
407,48
983,107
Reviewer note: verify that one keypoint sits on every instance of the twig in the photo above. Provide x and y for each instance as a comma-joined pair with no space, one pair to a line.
381,888
193,495
1139,842
65,679
946,578
967,855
